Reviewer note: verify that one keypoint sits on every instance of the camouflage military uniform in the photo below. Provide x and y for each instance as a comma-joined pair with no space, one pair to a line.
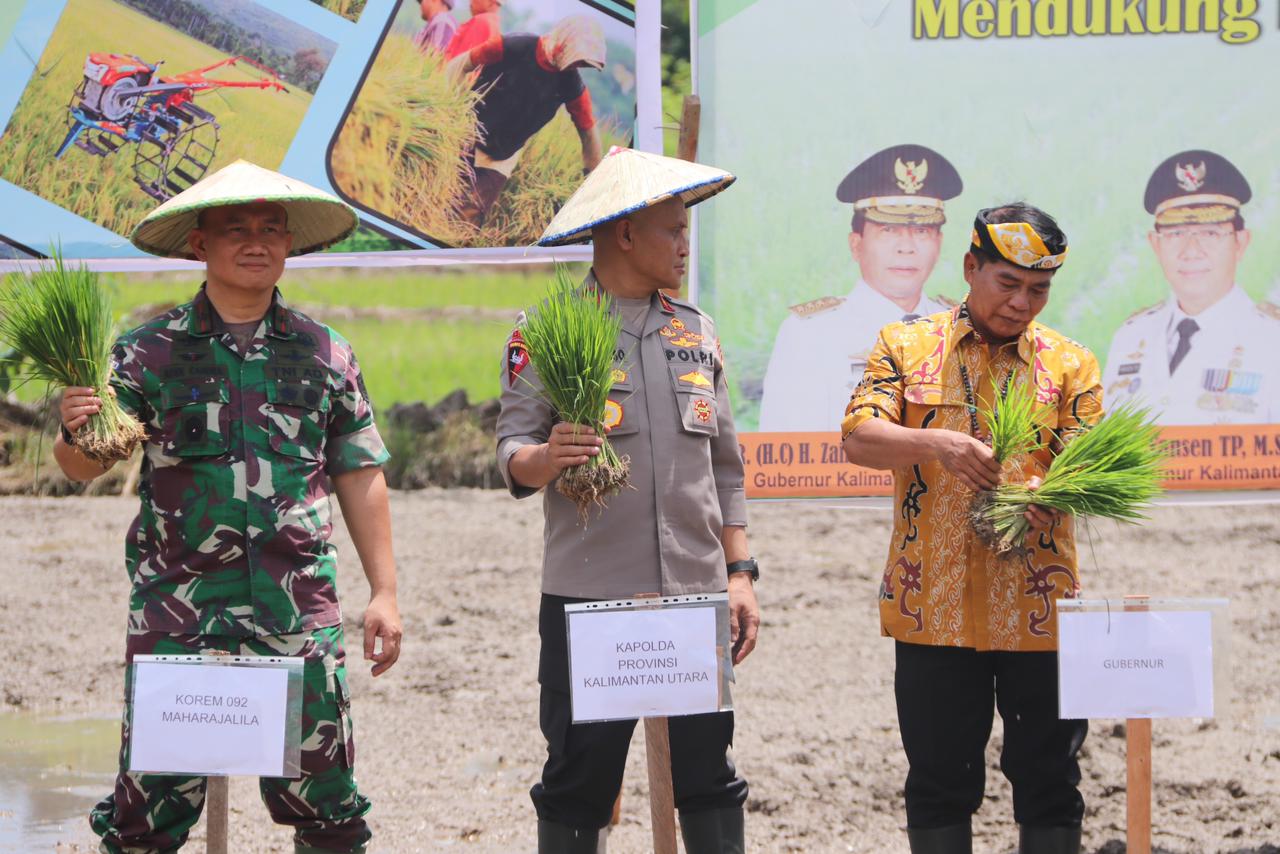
230,547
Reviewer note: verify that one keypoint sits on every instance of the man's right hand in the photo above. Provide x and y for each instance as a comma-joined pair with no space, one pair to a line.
570,445
78,403
968,459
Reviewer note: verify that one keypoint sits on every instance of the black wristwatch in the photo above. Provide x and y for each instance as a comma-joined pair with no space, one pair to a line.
68,437
748,565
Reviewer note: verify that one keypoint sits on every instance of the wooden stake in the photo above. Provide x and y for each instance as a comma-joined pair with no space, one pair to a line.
657,736
662,799
690,127
1138,771
215,812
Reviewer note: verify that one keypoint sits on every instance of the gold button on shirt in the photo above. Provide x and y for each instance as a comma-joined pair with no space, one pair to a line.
942,586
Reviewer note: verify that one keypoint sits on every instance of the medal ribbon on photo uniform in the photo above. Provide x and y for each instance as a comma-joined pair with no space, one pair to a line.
1016,242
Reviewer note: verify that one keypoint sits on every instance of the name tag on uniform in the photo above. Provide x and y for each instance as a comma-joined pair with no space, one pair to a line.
1130,368
640,658
216,714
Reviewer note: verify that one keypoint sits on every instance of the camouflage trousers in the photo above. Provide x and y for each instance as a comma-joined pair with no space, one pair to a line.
155,812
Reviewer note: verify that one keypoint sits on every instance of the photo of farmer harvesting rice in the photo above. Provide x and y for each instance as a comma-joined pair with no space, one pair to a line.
153,96
483,143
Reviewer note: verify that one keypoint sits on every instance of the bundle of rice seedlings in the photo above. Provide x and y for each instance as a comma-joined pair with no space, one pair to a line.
59,320
1112,470
1014,431
402,149
572,336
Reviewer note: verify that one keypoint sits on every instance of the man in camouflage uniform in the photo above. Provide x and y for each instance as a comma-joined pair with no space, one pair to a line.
254,414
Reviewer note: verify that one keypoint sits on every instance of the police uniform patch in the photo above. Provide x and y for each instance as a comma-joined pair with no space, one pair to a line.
702,411
517,356
695,378
618,376
612,414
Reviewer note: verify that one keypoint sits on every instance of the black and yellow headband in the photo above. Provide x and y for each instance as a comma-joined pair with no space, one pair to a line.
1016,242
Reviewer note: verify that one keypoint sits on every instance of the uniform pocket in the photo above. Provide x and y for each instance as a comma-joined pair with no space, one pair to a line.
695,391
298,414
618,415
195,418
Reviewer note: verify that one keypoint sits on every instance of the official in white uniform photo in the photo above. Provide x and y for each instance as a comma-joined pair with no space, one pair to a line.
1208,354
896,235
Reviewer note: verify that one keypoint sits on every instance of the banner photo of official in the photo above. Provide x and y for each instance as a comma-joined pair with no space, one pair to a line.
908,108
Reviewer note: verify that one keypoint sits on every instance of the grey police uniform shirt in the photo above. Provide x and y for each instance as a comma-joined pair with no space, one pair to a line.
818,358
1230,374
663,534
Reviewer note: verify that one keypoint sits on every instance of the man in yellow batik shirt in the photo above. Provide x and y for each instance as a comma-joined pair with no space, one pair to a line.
970,626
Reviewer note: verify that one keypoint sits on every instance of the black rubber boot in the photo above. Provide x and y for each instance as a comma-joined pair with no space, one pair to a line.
953,839
713,831
1049,840
558,839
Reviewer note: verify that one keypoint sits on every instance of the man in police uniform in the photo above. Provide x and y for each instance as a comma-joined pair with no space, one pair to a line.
821,348
255,414
1208,354
681,526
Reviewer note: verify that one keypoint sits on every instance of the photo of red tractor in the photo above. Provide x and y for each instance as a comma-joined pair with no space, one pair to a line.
122,100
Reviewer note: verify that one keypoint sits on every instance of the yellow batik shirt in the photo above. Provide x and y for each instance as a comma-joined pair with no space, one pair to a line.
942,585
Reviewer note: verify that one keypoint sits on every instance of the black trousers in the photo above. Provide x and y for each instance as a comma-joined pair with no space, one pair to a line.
945,697
583,773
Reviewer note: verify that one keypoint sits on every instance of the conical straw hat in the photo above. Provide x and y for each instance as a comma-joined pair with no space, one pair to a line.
626,181
316,218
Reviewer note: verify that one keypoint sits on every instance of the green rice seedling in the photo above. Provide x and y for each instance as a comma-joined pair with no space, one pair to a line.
1011,421
1112,470
59,319
1013,431
572,336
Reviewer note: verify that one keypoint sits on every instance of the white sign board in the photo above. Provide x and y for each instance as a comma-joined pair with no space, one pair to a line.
643,663
1135,664
193,719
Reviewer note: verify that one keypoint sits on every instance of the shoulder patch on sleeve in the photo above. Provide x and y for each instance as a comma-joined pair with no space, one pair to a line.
517,356
814,307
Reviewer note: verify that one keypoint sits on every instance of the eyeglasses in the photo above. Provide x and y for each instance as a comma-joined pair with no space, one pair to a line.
1203,234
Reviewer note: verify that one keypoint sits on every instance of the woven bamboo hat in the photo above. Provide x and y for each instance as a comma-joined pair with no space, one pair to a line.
627,181
316,219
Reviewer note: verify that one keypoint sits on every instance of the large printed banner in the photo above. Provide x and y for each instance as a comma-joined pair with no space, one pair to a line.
460,128
866,134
